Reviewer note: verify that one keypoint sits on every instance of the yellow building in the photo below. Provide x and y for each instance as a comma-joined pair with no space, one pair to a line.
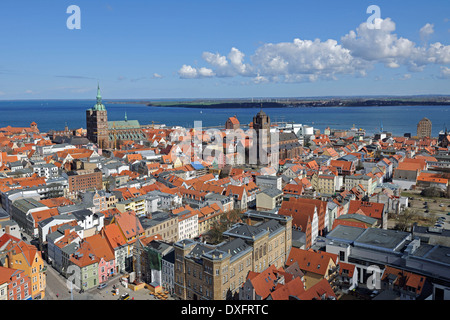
326,183
26,257
135,204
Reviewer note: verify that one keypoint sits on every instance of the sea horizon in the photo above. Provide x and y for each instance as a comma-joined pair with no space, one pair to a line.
55,114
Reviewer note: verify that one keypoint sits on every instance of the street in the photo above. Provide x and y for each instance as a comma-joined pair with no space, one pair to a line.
58,289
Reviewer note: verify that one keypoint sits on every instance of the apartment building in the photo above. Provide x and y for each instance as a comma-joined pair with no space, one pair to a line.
217,272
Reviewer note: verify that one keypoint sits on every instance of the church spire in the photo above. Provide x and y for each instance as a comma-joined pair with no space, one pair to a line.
99,96
99,105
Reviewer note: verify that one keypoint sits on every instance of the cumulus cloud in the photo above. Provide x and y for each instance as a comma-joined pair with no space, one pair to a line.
426,31
156,76
189,72
304,59
310,60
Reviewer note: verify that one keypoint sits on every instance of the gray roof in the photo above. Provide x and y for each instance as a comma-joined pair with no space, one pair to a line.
345,233
70,248
358,217
67,217
161,247
266,215
272,192
3,214
433,253
244,231
383,239
170,257
236,247
81,215
158,217
27,204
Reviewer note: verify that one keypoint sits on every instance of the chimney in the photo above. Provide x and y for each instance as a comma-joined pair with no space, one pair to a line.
66,232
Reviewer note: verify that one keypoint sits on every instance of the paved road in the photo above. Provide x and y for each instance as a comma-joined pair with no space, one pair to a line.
58,289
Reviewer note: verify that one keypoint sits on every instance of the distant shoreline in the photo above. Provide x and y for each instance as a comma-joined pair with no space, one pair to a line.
293,103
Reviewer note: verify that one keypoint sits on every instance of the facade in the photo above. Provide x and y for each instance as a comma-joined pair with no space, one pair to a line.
83,180
118,244
315,266
424,128
261,124
97,123
232,123
109,134
14,284
26,257
162,224
85,264
289,147
168,263
207,272
269,199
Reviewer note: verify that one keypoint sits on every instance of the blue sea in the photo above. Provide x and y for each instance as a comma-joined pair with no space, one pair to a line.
54,114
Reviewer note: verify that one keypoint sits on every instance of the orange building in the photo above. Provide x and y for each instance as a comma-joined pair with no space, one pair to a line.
23,256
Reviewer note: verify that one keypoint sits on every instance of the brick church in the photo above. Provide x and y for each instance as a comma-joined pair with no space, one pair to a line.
109,134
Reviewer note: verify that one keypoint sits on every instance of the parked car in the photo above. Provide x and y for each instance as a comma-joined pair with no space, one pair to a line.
125,296
102,286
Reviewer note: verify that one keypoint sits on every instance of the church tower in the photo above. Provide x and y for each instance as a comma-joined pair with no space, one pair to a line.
261,124
97,123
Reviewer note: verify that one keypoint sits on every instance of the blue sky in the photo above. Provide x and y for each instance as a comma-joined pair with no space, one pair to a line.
222,49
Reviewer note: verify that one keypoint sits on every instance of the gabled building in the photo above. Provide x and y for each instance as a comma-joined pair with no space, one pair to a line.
26,257
14,284
315,266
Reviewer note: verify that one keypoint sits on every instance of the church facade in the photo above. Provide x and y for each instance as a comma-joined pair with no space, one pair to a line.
109,134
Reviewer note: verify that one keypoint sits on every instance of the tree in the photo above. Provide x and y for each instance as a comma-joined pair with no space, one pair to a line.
431,192
405,220
226,221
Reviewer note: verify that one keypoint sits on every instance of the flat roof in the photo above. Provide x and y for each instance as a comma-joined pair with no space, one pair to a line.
345,233
382,238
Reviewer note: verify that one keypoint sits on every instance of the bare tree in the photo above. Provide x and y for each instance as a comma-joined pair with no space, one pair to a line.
405,220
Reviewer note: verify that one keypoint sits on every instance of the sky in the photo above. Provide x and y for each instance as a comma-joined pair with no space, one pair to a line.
175,49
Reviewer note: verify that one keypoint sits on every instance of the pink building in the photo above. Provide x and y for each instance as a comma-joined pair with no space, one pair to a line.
106,264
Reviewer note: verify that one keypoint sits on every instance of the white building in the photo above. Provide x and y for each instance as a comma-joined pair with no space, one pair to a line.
187,225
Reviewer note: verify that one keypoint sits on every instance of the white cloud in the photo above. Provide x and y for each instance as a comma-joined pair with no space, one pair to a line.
378,45
156,76
311,60
187,72
304,58
205,72
260,79
445,73
426,31
406,76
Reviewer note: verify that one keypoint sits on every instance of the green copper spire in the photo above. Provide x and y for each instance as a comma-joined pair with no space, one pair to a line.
99,96
126,118
99,105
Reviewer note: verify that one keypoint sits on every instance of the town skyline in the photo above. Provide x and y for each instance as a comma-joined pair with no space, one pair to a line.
213,50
